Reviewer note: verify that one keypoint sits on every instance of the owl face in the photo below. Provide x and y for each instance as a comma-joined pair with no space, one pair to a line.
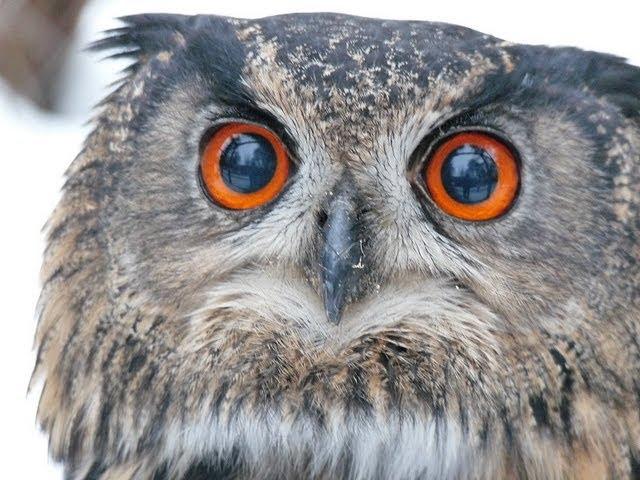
320,246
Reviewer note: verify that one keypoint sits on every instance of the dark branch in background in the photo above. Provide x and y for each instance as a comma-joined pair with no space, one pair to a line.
34,41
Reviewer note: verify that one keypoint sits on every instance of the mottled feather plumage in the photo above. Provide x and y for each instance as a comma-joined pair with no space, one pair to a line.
180,340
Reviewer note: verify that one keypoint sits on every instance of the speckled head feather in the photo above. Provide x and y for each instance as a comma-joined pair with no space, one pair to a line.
180,340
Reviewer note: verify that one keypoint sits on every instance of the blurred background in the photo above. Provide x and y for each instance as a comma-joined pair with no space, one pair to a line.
48,85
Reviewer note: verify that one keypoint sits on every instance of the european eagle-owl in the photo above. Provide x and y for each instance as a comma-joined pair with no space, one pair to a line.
322,246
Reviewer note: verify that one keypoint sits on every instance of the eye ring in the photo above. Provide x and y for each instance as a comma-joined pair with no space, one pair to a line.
216,178
506,181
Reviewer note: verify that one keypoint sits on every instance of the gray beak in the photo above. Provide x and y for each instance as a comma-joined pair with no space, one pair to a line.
342,257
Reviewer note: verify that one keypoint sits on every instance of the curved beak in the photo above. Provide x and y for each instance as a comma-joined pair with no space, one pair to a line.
342,256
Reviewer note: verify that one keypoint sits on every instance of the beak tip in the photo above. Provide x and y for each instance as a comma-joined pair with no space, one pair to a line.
333,314
332,308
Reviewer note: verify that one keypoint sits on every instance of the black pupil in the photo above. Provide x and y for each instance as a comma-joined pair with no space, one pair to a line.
248,162
469,174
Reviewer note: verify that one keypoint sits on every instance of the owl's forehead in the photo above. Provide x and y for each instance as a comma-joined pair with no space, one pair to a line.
364,64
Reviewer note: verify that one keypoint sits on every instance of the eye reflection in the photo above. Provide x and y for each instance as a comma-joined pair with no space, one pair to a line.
247,162
469,174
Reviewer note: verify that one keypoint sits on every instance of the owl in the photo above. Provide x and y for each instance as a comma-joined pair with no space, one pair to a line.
330,247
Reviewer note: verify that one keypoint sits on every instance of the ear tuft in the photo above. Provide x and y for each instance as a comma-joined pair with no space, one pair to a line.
142,37
607,76
619,82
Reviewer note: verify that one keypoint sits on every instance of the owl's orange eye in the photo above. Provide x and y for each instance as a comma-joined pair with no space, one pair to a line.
244,166
473,176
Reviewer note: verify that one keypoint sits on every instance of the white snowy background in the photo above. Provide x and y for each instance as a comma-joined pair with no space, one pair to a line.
36,148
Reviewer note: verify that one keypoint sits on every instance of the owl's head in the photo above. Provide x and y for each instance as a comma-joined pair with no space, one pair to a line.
328,246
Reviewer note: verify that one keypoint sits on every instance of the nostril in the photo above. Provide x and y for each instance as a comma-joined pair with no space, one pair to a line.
321,218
